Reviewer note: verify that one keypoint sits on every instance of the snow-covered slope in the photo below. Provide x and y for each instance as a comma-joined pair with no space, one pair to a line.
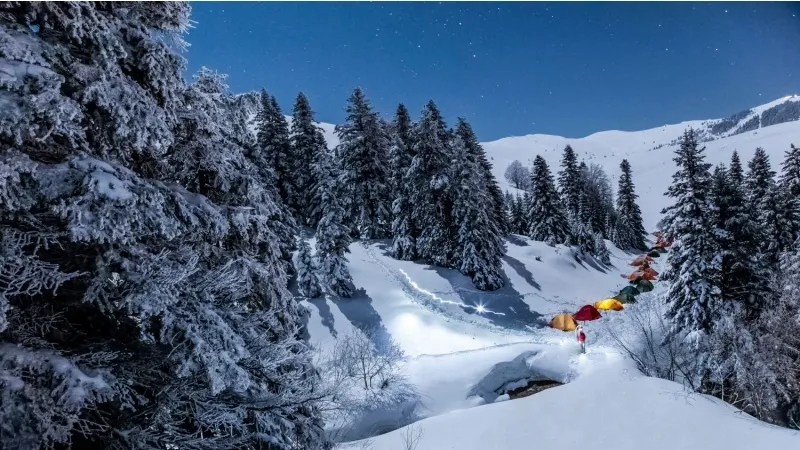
455,336
773,126
454,352
650,152
608,405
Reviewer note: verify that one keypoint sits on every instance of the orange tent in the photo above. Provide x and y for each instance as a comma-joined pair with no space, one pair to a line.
649,271
641,274
563,322
641,259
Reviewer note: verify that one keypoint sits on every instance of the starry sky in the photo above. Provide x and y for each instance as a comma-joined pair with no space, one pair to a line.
568,69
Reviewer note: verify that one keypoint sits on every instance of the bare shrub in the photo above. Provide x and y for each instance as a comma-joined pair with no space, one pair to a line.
645,339
411,436
370,393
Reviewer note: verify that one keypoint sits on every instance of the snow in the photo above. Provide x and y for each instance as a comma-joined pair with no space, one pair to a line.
465,347
652,167
649,152
461,362
608,405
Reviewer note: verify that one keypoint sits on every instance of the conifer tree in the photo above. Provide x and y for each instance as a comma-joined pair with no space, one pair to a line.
736,173
478,245
401,152
520,214
489,188
601,250
569,181
547,220
630,232
307,143
404,232
770,208
274,147
777,223
307,281
790,174
790,188
744,278
363,154
759,180
429,184
178,297
333,239
693,265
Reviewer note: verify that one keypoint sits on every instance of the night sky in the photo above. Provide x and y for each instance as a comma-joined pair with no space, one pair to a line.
569,69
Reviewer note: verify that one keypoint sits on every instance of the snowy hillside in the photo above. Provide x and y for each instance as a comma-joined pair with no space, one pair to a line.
608,405
773,126
652,168
458,359
464,346
649,152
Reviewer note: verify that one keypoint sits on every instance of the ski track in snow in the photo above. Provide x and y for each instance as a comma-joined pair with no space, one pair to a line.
432,302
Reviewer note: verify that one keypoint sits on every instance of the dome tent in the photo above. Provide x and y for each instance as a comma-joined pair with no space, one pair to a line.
563,322
609,304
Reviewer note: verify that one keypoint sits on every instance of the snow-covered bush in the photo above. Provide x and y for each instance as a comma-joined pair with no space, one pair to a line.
643,335
370,391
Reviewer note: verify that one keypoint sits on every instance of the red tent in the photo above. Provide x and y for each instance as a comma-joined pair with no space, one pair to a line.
587,312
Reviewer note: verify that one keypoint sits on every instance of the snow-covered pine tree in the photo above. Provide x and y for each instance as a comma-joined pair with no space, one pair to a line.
333,237
169,291
307,143
237,110
790,173
581,227
777,223
601,250
525,206
308,284
429,184
569,181
744,276
272,140
759,180
547,220
363,154
401,152
693,266
783,323
770,208
479,242
245,262
736,173
630,232
511,213
790,187
519,214
404,233
602,196
497,202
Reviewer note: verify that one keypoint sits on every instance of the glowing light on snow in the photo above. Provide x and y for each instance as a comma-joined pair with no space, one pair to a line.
480,309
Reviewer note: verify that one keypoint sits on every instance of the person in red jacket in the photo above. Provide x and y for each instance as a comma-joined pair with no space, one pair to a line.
581,337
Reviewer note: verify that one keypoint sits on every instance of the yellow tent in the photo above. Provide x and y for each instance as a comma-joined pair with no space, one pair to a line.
609,304
563,322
